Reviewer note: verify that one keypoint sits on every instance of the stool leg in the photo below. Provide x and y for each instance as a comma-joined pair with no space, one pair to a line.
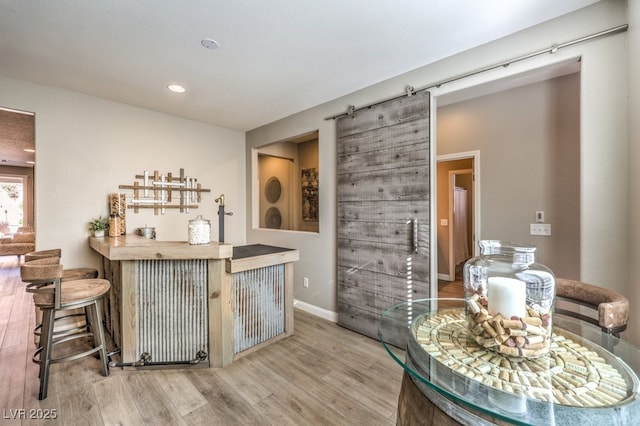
95,317
46,341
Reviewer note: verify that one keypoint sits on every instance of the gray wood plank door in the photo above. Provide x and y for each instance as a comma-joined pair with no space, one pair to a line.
383,192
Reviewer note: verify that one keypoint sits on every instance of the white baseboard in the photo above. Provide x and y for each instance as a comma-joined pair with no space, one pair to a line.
315,310
445,277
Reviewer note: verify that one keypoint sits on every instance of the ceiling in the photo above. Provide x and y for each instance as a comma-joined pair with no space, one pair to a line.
275,58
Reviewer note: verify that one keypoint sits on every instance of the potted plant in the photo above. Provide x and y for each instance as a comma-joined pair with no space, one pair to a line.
99,226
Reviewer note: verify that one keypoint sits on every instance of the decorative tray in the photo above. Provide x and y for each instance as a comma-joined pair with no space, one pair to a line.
575,373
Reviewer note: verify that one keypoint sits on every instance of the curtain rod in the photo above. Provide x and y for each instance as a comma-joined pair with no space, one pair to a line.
553,49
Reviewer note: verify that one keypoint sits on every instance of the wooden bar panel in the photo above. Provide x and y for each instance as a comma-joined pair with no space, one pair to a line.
288,299
129,247
220,315
254,262
128,312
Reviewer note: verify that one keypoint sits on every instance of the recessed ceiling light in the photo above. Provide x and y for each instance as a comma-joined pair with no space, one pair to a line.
176,88
210,43
29,150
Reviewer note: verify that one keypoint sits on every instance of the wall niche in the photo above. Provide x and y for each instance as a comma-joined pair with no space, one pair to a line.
288,184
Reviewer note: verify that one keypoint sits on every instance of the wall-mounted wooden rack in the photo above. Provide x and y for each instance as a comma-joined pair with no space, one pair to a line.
157,192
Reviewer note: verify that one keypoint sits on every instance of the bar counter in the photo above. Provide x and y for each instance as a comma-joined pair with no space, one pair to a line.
134,247
173,304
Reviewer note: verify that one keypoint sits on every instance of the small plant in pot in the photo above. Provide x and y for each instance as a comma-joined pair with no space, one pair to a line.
99,226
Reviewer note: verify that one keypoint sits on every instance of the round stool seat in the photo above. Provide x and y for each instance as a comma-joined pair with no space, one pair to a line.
79,274
73,292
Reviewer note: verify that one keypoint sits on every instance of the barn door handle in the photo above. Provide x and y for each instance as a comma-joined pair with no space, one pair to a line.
415,234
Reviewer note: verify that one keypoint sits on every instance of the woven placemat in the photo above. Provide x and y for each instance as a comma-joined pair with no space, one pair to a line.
571,374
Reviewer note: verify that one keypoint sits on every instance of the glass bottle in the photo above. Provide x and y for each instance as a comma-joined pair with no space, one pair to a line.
199,231
509,299
114,226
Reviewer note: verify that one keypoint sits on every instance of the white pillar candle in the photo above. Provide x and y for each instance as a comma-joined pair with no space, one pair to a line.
507,296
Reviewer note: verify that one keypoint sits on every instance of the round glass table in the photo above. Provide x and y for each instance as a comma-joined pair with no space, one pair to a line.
588,377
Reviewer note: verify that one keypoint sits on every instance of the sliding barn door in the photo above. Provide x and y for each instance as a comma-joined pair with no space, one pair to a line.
383,209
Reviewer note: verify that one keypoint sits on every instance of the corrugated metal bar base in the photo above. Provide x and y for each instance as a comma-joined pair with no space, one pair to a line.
259,312
172,307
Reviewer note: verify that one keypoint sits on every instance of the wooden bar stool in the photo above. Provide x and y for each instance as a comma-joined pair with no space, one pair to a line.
68,274
67,321
50,294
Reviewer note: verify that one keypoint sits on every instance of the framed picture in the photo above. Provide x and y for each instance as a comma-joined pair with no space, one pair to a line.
310,198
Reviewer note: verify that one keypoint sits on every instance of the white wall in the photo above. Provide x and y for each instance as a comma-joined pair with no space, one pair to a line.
604,144
86,147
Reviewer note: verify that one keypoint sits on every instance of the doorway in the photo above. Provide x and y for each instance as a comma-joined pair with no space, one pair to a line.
17,163
457,212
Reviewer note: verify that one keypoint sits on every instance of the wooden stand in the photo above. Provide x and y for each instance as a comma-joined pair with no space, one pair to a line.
414,408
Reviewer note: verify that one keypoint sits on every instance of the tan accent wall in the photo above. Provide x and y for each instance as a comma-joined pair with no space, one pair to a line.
529,143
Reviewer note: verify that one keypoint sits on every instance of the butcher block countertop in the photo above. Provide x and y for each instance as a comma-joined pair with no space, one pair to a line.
135,247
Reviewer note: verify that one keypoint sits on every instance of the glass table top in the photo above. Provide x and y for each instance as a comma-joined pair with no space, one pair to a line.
588,376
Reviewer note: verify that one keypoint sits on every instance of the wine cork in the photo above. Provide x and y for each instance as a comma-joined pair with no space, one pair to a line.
489,329
497,325
532,340
473,306
532,320
512,324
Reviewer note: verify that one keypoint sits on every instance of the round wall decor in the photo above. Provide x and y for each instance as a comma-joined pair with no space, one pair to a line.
273,189
272,218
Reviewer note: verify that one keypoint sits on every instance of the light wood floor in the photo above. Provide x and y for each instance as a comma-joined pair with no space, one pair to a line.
323,375
450,289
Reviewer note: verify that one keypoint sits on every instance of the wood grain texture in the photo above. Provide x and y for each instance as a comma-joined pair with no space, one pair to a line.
324,374
220,315
255,262
132,247
128,318
381,257
405,134
383,202
408,184
405,109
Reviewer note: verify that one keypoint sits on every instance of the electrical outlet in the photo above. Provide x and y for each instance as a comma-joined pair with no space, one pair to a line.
305,282
540,229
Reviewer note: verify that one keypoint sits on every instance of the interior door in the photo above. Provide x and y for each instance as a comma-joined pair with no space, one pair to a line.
383,203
